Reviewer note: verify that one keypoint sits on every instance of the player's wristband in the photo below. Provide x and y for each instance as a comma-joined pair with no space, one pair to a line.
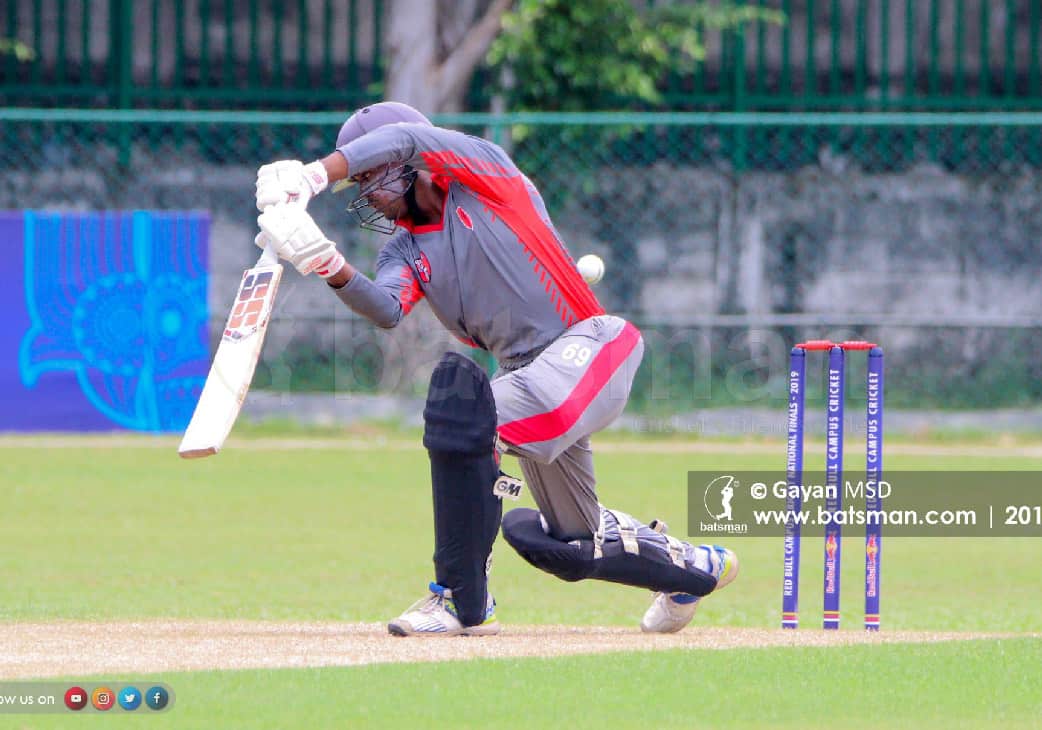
330,266
316,176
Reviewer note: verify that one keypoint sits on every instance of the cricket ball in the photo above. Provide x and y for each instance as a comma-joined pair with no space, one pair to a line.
591,267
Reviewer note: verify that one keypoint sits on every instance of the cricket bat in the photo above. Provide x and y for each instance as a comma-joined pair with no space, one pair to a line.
236,359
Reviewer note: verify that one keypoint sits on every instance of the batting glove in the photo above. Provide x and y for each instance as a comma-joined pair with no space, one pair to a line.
290,181
296,238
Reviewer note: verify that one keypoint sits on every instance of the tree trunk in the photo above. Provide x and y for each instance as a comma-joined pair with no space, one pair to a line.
412,54
432,54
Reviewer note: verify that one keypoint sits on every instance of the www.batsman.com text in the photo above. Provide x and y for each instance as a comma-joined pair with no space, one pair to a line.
853,516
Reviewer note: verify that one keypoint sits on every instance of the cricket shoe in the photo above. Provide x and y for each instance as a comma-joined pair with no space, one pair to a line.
670,612
435,615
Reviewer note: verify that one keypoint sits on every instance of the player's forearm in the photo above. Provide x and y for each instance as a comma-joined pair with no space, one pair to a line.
363,296
336,166
342,277
390,144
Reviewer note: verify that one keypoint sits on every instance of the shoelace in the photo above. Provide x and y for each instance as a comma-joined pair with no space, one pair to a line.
716,562
433,603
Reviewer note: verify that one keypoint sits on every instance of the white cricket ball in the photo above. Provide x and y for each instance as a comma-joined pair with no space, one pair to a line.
591,267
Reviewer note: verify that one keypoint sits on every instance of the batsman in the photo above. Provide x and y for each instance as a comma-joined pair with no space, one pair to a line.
469,231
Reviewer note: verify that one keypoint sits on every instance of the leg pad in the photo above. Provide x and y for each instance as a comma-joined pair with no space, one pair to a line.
459,433
651,567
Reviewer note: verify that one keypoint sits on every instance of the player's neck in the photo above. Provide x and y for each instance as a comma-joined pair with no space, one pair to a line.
428,201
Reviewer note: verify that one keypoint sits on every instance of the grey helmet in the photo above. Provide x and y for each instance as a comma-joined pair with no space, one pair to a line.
370,117
362,122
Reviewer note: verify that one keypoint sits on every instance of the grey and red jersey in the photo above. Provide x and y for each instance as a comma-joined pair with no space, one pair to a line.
494,270
497,276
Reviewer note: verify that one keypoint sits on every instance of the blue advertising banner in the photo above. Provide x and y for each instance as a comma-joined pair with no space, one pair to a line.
105,319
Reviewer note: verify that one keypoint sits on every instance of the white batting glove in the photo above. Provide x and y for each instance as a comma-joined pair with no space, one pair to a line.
296,238
290,181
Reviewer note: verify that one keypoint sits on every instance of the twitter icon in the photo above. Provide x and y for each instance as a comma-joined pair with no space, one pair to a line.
129,698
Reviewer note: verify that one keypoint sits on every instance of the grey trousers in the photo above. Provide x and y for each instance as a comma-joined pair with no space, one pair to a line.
547,410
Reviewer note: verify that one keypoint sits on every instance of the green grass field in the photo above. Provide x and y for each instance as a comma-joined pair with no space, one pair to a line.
115,531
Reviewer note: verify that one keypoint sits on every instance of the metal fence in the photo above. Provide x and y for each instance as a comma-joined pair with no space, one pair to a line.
829,55
727,237
874,55
201,53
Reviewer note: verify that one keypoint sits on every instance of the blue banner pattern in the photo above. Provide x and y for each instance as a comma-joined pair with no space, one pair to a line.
116,303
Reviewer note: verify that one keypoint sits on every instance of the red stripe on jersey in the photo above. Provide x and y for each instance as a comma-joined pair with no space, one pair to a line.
504,191
410,291
555,423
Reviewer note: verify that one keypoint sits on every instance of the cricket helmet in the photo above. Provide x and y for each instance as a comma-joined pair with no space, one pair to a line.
370,117
362,122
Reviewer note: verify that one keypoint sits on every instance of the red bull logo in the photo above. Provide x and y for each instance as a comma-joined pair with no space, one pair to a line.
871,570
831,546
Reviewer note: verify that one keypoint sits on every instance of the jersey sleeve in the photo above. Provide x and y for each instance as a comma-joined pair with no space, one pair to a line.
472,161
390,294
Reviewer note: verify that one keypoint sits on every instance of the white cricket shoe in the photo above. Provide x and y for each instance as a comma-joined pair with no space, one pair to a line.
435,615
670,612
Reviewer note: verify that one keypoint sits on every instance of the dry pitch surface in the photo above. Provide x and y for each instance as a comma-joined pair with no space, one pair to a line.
77,648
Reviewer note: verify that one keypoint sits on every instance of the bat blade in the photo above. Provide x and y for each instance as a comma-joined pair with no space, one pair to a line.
233,364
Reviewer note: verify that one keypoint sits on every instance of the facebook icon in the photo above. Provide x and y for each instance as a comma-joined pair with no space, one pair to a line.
156,698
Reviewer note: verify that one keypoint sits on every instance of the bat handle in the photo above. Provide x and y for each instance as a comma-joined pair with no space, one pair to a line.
268,257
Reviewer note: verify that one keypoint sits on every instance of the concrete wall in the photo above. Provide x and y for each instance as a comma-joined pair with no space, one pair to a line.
679,242
921,242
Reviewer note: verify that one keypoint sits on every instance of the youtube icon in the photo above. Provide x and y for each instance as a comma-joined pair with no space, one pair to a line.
76,698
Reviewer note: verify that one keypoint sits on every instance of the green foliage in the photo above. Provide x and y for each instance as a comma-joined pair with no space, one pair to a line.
13,47
580,55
